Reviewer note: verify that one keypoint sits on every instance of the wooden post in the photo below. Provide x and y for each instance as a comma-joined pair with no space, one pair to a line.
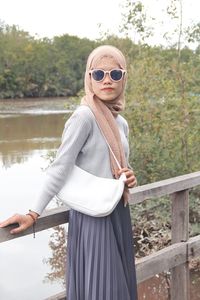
180,233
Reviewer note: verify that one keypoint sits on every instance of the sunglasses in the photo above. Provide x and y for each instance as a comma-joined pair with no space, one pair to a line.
115,74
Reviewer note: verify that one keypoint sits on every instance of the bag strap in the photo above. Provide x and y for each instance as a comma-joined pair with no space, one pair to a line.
115,158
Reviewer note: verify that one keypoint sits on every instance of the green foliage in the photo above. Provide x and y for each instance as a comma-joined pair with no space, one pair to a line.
135,21
151,221
40,68
163,113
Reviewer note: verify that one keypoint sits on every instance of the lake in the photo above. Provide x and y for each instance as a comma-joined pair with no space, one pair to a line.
29,131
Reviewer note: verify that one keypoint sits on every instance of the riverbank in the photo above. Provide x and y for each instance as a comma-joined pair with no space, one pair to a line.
35,106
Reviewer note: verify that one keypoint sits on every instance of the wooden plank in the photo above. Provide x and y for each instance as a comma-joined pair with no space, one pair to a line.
173,256
161,261
180,233
180,282
167,258
49,218
180,216
138,195
194,247
164,187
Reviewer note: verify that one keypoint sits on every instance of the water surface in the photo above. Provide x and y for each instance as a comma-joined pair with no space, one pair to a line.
29,131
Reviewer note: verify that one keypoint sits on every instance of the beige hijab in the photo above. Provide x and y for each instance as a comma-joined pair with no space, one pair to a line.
105,112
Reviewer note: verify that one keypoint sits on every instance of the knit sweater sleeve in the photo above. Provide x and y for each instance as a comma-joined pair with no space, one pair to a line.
74,136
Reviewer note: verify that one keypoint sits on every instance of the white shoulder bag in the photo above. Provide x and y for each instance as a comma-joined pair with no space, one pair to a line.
90,194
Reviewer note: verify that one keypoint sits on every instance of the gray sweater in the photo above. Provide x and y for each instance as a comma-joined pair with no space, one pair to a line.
82,144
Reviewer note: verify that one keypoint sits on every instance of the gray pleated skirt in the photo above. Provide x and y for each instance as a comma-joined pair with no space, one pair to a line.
100,257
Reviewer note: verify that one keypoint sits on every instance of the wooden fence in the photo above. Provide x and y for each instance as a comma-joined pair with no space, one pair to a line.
174,258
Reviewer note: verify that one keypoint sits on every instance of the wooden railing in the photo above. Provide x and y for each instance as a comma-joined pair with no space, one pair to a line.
175,257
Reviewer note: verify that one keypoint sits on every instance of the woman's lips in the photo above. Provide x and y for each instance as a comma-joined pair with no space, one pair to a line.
108,89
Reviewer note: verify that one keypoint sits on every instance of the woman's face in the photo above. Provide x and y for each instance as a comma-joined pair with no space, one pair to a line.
107,89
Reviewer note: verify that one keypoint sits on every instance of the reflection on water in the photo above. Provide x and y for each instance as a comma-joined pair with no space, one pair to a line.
22,134
29,127
27,134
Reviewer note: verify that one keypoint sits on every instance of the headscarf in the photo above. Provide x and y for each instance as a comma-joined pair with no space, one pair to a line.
106,112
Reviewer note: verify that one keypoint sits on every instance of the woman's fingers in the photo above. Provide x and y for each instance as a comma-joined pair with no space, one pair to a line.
131,180
18,229
24,222
9,221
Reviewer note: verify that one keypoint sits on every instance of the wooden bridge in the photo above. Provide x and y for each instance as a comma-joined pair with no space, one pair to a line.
174,258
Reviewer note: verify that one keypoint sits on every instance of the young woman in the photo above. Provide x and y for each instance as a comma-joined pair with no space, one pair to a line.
100,256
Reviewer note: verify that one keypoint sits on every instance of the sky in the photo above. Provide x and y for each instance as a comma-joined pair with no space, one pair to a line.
48,18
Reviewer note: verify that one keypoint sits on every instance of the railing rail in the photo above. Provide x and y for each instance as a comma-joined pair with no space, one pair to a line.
174,257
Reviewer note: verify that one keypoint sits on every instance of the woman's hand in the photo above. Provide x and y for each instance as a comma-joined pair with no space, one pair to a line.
131,180
24,221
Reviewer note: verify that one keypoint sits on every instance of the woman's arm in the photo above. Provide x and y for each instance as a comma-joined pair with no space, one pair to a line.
24,221
74,136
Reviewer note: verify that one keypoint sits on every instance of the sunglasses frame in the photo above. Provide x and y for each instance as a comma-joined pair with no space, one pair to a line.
109,73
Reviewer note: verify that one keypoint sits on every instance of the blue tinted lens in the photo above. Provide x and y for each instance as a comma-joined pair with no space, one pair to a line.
116,75
98,75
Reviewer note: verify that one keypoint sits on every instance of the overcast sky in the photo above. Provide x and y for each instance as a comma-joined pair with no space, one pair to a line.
50,17
81,17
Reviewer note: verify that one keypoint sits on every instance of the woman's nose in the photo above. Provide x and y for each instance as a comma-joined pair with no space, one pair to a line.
107,78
